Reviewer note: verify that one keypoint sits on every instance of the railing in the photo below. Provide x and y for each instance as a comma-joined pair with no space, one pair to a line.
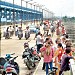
72,66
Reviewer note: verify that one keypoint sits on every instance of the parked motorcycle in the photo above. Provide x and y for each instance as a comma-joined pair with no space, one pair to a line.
30,57
7,33
3,61
9,66
27,34
20,33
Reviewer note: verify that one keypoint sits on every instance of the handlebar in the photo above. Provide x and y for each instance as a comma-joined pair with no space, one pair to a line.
12,54
15,57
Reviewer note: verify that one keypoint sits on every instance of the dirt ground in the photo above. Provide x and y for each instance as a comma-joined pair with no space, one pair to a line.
15,45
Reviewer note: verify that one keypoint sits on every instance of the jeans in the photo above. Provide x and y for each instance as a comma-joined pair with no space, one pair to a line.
51,65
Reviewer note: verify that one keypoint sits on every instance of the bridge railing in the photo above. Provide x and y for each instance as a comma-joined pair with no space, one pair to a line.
72,62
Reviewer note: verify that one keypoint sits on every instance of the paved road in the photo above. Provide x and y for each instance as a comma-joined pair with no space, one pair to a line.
16,46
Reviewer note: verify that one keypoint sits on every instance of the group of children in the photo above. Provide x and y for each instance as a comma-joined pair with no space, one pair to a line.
59,53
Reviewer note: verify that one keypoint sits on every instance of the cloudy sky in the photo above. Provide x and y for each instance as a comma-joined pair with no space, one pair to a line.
59,7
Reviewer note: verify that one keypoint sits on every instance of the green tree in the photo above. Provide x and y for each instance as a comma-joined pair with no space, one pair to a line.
65,18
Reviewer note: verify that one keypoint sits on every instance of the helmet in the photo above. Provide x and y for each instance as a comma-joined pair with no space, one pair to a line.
26,45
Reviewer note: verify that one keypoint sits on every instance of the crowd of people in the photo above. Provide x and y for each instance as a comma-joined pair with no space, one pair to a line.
58,51
10,30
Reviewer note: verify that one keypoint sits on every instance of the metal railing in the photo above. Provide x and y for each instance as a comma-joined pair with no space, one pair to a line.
72,62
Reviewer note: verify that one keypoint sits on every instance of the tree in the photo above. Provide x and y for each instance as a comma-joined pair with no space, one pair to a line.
65,18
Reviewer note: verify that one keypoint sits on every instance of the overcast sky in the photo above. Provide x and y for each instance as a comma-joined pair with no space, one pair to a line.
59,7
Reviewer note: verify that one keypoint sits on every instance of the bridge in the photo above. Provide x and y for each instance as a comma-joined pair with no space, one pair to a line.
14,13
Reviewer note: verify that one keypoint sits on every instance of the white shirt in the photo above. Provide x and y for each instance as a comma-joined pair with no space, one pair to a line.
39,39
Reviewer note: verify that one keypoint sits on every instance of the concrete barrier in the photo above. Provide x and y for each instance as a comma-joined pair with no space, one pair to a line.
72,62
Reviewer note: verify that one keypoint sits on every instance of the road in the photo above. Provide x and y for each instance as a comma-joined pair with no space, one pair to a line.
16,46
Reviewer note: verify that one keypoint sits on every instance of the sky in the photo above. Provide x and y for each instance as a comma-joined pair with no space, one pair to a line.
58,7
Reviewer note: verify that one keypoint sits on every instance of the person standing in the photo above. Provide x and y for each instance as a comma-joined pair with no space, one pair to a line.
39,42
57,32
57,57
47,49
16,30
65,61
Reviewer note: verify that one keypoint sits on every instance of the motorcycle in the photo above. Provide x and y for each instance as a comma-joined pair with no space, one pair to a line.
3,61
7,36
53,72
7,33
27,34
20,33
30,57
10,67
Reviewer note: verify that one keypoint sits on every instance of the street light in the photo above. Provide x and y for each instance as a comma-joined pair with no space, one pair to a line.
34,11
13,16
26,5
27,2
21,13
41,10
40,7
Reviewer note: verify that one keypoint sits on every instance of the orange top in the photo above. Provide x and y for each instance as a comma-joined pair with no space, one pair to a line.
58,53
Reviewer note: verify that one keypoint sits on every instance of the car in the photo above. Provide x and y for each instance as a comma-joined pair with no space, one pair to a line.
33,29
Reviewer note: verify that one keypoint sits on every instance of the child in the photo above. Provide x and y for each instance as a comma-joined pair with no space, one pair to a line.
65,61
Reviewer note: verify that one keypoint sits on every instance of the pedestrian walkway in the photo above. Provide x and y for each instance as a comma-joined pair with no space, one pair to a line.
39,70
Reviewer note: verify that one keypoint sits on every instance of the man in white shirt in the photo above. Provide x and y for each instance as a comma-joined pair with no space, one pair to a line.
39,42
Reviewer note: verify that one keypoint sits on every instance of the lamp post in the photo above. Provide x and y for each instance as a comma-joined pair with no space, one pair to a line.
34,10
13,16
27,3
31,8
21,13
41,10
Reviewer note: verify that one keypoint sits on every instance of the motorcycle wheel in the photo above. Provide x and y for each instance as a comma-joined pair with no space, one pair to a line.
4,73
19,38
26,38
28,65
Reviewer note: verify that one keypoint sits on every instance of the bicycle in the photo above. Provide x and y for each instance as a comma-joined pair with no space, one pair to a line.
53,72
